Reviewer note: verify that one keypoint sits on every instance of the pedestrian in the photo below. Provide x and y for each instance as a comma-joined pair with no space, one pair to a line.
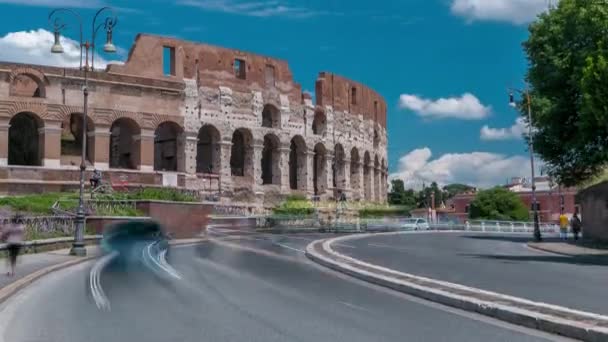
563,226
12,234
95,179
575,225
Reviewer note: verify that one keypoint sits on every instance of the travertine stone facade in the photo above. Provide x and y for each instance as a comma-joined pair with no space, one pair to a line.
222,121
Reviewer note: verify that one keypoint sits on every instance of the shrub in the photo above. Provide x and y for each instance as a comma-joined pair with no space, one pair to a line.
371,211
294,205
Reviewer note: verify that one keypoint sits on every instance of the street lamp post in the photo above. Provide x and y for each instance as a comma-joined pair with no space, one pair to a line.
526,93
56,21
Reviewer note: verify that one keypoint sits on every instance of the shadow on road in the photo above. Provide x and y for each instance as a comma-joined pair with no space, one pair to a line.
577,260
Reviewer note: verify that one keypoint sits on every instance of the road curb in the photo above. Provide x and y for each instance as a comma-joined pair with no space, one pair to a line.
545,317
10,289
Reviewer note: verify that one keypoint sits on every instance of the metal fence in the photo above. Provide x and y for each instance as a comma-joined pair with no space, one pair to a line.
40,227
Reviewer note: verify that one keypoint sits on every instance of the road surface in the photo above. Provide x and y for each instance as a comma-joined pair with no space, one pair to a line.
268,291
496,262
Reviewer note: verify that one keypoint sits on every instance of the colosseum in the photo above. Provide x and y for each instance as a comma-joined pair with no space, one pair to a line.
230,124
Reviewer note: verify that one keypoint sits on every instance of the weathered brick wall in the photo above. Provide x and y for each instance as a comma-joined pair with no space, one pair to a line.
594,211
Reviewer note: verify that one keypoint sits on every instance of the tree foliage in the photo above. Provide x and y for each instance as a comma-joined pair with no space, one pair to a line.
568,76
422,199
498,204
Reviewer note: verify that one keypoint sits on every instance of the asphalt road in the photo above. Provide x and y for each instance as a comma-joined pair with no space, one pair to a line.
264,291
495,262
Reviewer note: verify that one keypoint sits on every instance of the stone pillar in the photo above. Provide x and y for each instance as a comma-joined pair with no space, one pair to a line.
329,188
346,178
310,163
181,152
256,169
101,137
376,185
284,167
50,144
145,160
4,126
190,151
225,172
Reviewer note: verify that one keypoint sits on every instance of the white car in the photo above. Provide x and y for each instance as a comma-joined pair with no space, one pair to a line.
415,224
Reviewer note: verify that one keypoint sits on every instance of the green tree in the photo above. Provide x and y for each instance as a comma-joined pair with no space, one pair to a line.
399,196
568,76
452,190
498,204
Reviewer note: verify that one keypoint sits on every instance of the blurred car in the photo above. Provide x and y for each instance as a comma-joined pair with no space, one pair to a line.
415,224
135,241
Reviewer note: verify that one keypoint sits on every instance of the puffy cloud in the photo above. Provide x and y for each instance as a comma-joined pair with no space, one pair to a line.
34,47
514,132
466,107
266,8
480,169
515,11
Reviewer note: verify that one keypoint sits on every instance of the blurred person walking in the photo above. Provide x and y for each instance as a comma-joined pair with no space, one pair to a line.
563,226
12,235
575,225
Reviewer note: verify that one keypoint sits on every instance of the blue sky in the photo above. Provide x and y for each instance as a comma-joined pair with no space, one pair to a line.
443,66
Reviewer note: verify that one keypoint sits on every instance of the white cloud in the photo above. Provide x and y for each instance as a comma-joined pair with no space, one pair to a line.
514,132
480,169
515,11
467,107
56,3
34,47
259,8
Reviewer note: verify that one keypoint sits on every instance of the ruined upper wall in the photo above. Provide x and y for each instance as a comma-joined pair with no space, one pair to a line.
215,66
347,95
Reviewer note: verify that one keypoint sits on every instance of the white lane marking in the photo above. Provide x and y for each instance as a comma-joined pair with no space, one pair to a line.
356,307
101,301
266,240
288,247
163,265
343,245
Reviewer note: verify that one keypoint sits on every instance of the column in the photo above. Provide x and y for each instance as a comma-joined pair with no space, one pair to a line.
50,144
359,191
256,168
346,179
225,172
101,138
330,190
4,126
377,188
190,145
310,163
284,169
146,150
181,152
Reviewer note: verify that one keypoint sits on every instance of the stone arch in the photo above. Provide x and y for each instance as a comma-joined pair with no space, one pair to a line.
376,185
297,163
208,150
271,170
27,82
319,123
367,174
339,168
320,169
241,154
271,117
168,147
355,164
71,139
125,144
25,142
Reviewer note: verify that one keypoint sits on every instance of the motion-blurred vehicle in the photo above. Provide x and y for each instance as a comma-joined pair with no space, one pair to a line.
135,242
415,224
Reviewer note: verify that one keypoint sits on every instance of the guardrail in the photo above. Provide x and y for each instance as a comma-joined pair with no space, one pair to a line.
36,246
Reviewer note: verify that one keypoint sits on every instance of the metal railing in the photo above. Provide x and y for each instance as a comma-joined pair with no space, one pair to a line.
38,227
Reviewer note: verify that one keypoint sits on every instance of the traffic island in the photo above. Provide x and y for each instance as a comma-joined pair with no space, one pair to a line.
549,318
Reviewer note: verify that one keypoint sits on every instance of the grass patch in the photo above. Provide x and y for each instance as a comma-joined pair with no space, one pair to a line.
294,205
378,210
37,204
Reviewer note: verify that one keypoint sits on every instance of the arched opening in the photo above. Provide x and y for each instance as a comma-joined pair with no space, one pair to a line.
271,172
319,123
297,163
241,156
71,140
376,179
208,154
26,85
367,181
166,146
354,170
124,144
24,141
271,117
319,169
339,176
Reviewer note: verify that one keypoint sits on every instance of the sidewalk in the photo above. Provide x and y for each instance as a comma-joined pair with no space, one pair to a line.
30,263
570,248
